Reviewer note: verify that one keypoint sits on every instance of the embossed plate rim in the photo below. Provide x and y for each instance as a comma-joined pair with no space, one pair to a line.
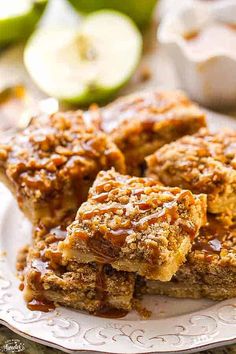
72,331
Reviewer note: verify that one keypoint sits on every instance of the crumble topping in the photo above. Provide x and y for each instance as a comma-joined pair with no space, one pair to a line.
141,123
135,218
203,162
149,109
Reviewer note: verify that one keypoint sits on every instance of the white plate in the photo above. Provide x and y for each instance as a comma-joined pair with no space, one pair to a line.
176,325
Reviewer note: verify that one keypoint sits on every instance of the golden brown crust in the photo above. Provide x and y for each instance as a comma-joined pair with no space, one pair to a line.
87,287
210,270
203,163
56,159
135,224
143,122
188,290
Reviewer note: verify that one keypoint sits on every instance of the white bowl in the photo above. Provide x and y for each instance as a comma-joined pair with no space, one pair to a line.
209,79
167,6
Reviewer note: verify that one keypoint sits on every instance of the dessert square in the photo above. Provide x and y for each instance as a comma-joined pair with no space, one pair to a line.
50,165
210,270
136,225
141,123
203,163
94,288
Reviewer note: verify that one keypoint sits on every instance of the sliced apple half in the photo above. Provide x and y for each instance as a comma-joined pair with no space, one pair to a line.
18,18
88,64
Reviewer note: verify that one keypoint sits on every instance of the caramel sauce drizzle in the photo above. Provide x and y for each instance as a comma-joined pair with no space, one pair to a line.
208,246
100,198
108,312
169,213
212,238
169,210
189,228
21,286
100,283
102,249
144,206
41,304
105,310
106,186
49,259
40,265
89,148
59,233
117,237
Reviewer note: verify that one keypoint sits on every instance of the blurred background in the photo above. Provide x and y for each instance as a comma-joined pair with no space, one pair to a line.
58,54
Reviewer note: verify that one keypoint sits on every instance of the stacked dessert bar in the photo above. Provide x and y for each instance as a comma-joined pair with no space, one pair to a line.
91,287
50,166
128,226
141,123
203,163
135,225
100,232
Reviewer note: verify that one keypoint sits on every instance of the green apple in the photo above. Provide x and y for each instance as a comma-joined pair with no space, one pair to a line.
18,18
85,64
139,10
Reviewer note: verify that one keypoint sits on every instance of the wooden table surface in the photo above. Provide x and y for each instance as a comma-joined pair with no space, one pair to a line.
155,70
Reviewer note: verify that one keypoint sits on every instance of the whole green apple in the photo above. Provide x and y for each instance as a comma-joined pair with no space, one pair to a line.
139,10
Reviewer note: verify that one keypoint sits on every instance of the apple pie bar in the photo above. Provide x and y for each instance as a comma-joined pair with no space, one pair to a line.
92,287
136,225
141,123
210,270
202,163
50,165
